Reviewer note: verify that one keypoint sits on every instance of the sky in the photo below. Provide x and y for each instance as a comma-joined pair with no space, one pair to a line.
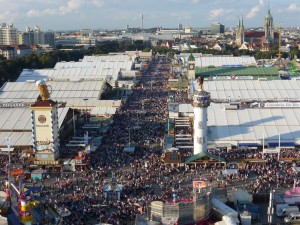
116,14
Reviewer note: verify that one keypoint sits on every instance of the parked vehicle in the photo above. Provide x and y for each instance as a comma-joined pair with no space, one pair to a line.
286,210
293,218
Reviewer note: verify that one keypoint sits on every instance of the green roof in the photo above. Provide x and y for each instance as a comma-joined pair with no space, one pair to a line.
238,71
191,57
269,16
202,155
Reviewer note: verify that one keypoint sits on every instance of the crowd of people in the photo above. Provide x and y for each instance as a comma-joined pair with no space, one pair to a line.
89,194
253,153
83,193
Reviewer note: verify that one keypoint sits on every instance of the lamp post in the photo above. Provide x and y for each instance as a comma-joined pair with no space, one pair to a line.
74,122
86,99
271,208
219,161
8,184
128,128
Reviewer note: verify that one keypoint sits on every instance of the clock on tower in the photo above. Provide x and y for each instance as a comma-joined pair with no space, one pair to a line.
192,66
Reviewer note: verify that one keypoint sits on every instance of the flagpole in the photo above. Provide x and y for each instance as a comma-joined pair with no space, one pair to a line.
263,144
279,146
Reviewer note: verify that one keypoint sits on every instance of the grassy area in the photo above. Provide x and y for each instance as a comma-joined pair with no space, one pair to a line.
179,84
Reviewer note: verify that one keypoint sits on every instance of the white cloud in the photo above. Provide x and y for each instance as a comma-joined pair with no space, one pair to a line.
194,1
255,10
8,16
293,8
33,13
70,6
215,13
97,2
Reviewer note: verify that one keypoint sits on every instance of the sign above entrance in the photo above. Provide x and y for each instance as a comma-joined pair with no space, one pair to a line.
13,105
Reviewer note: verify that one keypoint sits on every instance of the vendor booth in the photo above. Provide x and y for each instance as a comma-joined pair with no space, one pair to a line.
38,174
113,192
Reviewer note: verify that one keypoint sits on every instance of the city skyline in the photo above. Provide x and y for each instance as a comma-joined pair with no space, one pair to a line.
117,14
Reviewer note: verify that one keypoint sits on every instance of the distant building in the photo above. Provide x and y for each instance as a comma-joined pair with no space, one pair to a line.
49,39
269,28
22,50
26,38
268,36
8,34
240,33
217,28
187,30
180,27
86,33
254,36
7,51
247,46
67,41
36,37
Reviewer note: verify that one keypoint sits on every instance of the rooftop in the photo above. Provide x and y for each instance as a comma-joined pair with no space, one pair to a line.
251,90
238,71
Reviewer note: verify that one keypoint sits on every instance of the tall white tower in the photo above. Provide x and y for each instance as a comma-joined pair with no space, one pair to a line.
200,102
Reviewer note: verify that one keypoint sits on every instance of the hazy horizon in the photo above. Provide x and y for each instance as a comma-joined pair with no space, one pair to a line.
61,15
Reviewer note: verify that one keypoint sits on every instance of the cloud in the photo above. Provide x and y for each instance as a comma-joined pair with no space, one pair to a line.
255,10
293,8
194,1
215,13
69,7
9,17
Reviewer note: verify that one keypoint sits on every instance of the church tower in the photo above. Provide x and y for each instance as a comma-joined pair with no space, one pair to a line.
269,27
191,67
240,33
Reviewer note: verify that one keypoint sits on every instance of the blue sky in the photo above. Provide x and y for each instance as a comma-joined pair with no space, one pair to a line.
77,14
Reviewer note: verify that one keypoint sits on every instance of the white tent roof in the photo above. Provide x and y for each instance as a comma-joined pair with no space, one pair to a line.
249,125
91,103
16,124
73,74
17,138
103,111
28,92
110,57
123,65
185,108
251,89
218,61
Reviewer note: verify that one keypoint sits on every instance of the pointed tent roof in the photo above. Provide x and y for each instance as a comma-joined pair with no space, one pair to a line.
191,57
201,155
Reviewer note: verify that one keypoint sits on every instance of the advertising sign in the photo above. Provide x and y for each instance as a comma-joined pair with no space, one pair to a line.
199,184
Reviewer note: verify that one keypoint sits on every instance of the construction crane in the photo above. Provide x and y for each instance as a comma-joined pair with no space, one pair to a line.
279,41
279,63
